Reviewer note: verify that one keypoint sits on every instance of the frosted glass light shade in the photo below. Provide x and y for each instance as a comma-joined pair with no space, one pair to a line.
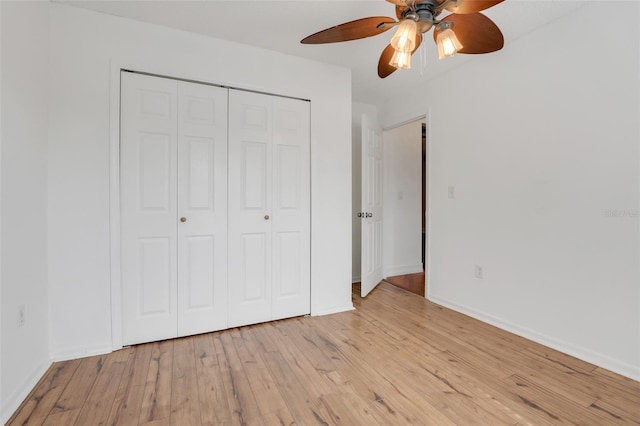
454,6
404,40
448,43
401,60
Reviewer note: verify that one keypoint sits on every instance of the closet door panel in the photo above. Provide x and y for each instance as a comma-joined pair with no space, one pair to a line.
291,209
148,168
250,174
202,210
254,168
255,267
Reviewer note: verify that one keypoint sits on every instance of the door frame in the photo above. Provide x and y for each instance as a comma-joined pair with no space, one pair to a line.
116,67
114,205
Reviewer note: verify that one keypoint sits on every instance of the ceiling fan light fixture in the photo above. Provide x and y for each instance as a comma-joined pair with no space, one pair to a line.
414,19
448,43
401,60
454,6
404,40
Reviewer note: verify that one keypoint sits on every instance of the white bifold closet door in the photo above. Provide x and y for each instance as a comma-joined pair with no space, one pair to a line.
269,208
173,191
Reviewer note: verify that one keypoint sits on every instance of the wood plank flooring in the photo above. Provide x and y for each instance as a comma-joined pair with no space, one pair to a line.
410,282
397,359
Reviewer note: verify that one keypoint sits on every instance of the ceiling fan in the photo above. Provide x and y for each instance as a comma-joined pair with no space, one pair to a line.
465,30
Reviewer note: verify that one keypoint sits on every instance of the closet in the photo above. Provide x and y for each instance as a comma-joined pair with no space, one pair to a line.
214,208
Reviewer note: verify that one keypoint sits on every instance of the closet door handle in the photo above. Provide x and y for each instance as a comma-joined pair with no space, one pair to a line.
183,219
266,217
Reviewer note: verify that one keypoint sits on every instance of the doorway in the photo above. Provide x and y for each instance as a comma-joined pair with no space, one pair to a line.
405,172
415,282
404,203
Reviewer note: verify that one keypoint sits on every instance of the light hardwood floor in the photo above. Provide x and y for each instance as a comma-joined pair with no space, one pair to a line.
398,359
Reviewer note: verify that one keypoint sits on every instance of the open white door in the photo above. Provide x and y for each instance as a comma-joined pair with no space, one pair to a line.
371,266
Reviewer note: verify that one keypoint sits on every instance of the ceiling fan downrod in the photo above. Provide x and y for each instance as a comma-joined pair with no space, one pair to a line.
424,13
428,10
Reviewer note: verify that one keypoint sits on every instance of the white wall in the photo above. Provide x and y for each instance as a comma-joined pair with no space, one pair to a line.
83,45
2,415
541,142
356,152
25,355
402,195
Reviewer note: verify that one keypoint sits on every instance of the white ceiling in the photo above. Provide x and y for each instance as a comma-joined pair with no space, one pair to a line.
280,25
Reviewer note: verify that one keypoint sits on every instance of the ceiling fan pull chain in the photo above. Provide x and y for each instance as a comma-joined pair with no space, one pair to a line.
423,59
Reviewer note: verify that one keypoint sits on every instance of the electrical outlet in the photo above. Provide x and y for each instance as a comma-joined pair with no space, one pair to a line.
20,315
479,272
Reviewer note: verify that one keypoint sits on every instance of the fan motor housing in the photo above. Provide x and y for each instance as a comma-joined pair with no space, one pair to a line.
422,14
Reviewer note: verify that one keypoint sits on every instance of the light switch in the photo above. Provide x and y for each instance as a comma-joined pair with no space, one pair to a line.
452,192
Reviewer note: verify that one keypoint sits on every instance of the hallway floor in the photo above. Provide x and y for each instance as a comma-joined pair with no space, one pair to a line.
410,282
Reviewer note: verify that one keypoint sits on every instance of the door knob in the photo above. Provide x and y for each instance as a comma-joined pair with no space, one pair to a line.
266,217
183,219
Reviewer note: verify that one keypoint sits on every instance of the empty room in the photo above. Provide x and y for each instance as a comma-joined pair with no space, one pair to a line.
319,212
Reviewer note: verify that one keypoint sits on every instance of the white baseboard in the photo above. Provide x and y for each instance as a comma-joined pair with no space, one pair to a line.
356,279
11,402
392,271
82,352
584,354
336,310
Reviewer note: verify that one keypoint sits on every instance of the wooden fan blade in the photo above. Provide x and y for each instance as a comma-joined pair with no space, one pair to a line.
384,69
399,10
354,30
402,3
472,6
476,32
